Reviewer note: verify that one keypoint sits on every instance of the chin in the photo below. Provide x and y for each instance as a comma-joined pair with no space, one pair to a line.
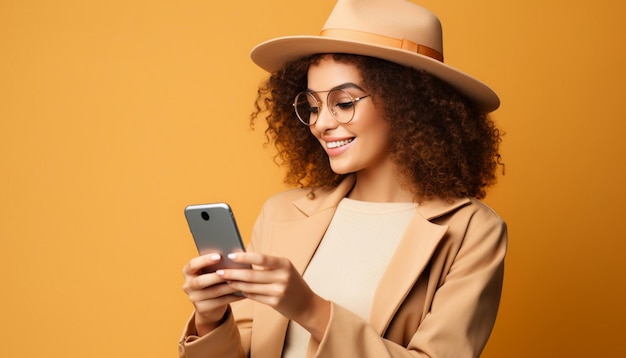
341,169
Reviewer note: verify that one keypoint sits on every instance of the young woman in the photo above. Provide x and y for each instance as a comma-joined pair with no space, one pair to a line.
385,249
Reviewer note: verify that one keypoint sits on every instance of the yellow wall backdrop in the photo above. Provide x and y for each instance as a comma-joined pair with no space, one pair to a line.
114,115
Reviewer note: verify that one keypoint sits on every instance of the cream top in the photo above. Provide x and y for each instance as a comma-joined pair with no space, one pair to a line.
351,259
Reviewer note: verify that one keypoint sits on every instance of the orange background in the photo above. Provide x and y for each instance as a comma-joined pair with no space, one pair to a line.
114,115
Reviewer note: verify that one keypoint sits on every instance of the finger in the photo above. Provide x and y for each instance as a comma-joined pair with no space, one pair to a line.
211,293
254,276
253,290
195,283
258,259
246,275
196,264
204,307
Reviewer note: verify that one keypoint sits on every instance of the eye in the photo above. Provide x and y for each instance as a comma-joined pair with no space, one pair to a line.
341,100
347,104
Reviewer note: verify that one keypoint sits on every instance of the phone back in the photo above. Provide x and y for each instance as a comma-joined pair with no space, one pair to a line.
214,229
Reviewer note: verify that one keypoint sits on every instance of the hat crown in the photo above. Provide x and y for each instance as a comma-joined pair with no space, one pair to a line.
397,19
393,30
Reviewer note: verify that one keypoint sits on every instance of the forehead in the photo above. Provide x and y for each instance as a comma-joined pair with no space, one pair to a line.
329,73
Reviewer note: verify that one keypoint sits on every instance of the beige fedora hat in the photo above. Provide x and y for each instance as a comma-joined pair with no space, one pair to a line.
394,30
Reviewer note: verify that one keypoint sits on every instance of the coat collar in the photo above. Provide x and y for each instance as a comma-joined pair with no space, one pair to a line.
330,198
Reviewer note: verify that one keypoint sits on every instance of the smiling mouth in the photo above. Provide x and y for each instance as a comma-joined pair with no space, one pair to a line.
339,143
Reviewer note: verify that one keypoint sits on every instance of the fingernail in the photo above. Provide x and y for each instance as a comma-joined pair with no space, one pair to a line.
219,272
215,257
232,256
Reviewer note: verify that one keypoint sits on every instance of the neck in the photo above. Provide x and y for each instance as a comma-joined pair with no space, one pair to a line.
382,187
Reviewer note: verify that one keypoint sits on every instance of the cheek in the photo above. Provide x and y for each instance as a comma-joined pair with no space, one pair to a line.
384,137
314,132
381,129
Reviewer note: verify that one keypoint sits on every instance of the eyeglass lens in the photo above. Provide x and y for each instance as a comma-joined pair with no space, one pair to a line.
339,103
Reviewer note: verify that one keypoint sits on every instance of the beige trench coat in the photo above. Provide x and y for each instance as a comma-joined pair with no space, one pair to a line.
438,297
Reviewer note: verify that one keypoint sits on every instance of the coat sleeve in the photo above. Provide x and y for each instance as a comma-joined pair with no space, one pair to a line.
224,341
461,315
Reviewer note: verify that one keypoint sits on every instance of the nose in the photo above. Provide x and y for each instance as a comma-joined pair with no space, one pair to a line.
325,120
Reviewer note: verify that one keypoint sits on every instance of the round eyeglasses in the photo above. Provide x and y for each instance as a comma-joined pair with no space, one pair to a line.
340,104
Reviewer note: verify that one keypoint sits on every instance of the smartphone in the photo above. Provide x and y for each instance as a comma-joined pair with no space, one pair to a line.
214,229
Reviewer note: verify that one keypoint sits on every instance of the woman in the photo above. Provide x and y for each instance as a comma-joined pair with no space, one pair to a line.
385,249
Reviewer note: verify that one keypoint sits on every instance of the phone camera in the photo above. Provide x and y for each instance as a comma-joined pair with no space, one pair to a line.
205,215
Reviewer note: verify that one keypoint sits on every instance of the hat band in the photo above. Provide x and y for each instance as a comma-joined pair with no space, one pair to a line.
403,44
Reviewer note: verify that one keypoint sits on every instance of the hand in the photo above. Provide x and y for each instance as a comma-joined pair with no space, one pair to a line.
208,292
275,282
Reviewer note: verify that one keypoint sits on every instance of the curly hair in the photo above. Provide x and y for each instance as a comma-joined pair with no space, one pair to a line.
442,145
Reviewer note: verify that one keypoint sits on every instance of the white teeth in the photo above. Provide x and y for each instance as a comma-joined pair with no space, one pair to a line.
338,143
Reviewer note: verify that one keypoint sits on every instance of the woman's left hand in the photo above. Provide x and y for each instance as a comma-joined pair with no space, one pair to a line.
275,282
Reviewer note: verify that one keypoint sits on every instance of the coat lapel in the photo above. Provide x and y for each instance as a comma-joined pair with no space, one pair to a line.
408,262
297,239
413,253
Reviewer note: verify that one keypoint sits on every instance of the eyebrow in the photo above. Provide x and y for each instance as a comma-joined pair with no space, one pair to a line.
341,86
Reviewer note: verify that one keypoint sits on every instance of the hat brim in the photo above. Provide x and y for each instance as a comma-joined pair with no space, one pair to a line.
273,54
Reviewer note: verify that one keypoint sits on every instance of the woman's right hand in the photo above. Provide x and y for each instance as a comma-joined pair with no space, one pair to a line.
208,292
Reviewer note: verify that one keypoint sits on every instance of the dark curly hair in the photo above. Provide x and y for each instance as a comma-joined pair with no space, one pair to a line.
443,146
